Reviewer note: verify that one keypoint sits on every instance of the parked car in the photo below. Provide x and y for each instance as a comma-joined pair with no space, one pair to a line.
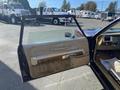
12,12
56,49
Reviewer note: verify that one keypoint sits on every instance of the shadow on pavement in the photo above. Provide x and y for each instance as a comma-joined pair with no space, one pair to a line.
10,80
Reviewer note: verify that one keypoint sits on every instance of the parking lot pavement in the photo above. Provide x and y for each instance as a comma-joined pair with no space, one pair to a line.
10,76
92,23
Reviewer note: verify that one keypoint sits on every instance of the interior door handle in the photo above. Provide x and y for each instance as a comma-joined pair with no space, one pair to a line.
73,55
80,53
34,60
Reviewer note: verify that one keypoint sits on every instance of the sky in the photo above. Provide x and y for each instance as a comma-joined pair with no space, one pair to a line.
102,4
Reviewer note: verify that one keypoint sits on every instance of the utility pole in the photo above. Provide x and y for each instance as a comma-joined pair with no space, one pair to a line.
116,5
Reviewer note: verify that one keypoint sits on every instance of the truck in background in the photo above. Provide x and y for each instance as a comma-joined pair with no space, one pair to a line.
12,12
54,11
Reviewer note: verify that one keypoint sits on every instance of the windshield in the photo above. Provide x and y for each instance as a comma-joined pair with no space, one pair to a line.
55,9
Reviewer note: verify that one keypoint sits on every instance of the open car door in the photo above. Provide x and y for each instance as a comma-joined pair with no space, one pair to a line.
47,49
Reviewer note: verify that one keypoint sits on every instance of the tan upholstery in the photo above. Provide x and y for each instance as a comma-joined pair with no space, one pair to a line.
46,59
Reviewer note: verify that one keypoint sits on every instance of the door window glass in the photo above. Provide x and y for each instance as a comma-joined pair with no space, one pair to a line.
47,32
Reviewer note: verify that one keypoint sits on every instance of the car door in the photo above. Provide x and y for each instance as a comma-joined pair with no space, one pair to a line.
48,49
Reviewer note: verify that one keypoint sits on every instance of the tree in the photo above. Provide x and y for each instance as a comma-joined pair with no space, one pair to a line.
82,7
90,5
66,5
112,7
42,4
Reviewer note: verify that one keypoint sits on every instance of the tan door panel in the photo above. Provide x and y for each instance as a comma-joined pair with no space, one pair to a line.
50,58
